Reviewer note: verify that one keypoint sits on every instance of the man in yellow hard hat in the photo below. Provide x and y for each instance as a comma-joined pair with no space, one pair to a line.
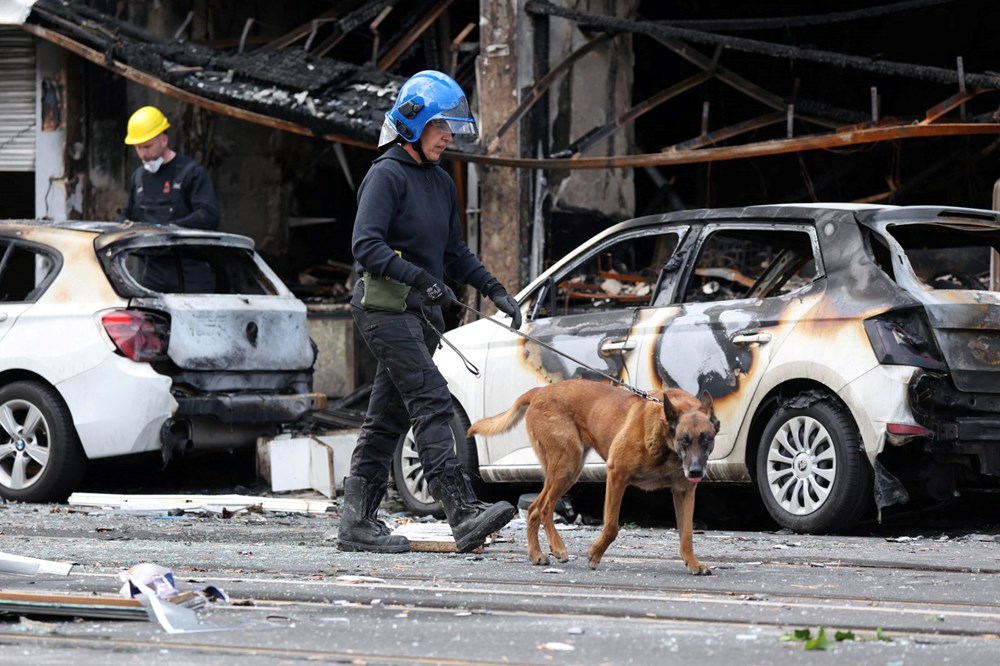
168,188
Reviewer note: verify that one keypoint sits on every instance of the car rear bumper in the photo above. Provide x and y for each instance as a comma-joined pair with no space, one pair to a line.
248,409
118,406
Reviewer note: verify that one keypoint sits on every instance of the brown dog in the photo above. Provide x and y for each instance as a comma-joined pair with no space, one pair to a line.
645,444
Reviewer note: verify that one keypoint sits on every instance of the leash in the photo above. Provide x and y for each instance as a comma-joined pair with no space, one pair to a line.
475,371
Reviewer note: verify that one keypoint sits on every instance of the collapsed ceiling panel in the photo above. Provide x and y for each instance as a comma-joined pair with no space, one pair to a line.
325,97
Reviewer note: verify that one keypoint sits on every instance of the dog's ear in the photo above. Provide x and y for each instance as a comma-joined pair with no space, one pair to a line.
708,406
670,414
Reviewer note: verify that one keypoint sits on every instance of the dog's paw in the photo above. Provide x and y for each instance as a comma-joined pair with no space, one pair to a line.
539,559
699,569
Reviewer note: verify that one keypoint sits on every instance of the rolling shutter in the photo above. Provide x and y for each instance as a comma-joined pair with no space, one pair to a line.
17,100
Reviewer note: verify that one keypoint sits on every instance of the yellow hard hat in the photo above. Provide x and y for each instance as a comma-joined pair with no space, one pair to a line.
145,124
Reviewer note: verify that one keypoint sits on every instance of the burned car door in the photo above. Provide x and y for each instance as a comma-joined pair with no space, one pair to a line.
731,309
587,309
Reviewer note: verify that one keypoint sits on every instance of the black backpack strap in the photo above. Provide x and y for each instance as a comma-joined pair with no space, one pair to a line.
184,173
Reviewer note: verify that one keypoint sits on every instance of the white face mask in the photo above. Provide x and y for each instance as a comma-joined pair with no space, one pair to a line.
153,166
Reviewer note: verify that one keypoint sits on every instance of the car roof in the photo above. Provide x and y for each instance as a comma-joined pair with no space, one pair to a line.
122,233
866,214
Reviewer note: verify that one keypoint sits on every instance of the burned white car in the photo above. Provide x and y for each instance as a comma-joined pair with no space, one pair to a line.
852,351
118,339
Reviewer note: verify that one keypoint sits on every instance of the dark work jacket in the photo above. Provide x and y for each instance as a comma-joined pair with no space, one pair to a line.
411,209
179,193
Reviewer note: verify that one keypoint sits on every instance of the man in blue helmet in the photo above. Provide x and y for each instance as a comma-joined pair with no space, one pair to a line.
407,237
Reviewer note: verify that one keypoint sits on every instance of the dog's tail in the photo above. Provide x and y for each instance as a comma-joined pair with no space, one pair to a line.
495,425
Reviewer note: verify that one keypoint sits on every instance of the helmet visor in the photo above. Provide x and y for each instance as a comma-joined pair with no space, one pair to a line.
459,118
454,126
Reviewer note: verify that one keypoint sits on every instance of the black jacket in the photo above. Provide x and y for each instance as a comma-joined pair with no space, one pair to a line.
412,209
179,193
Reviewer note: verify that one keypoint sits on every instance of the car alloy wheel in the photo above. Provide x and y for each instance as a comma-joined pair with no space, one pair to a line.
24,448
40,455
812,470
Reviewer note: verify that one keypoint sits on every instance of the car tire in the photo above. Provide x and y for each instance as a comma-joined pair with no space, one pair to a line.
41,459
409,475
812,470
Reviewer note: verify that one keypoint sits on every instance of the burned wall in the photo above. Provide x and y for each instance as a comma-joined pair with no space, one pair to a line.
597,90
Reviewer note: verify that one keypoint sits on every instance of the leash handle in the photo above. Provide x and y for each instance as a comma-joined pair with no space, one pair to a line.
637,391
473,370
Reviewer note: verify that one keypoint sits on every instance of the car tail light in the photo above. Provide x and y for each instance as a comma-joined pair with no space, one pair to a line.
898,434
907,430
903,337
141,336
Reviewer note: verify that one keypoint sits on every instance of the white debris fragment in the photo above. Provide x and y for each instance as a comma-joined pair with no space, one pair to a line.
359,580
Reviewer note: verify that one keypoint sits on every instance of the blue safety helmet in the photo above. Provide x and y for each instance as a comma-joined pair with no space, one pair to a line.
424,97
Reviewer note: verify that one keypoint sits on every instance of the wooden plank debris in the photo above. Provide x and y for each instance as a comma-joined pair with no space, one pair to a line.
89,606
431,537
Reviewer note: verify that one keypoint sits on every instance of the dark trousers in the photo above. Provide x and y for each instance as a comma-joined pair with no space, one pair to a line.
408,391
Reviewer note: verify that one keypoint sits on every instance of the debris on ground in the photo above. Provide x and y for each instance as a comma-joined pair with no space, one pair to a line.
225,505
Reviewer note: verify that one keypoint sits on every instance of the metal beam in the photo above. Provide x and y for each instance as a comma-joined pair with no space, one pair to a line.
303,30
959,98
728,132
844,139
389,59
737,82
598,134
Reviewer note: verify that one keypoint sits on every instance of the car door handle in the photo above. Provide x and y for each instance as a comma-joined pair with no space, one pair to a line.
617,346
751,338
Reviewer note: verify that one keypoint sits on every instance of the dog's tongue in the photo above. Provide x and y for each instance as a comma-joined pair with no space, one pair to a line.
694,479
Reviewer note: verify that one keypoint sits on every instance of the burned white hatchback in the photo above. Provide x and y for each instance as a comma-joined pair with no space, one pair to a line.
118,339
852,351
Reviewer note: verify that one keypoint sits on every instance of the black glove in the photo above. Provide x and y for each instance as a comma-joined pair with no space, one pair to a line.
505,302
433,291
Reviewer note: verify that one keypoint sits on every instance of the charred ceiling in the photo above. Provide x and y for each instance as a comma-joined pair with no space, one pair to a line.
300,78
753,88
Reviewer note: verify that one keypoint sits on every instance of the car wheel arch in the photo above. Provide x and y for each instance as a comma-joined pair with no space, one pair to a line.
770,404
21,375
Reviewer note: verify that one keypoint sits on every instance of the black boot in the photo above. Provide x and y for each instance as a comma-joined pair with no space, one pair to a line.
471,520
359,527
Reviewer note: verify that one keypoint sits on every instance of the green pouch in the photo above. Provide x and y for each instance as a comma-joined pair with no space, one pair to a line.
384,294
